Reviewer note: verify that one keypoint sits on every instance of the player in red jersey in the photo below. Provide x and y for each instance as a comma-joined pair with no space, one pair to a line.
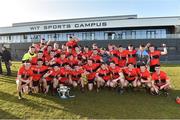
160,81
50,59
39,56
131,52
102,76
155,56
76,76
62,61
86,54
50,78
72,61
144,76
24,78
130,75
117,77
38,71
122,55
73,41
42,45
64,75
57,50
96,57
90,70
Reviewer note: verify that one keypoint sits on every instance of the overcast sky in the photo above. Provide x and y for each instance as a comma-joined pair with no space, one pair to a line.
14,11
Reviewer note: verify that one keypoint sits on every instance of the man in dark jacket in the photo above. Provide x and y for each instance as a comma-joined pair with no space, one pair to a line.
6,57
0,63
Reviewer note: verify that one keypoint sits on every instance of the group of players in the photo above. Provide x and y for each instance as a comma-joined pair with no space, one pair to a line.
46,67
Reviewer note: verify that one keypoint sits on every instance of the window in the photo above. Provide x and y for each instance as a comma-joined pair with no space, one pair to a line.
133,34
88,36
151,34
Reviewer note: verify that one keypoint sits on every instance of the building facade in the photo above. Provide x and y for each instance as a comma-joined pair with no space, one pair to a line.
118,29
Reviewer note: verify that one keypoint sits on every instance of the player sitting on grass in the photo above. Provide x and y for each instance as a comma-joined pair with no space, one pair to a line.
24,79
160,82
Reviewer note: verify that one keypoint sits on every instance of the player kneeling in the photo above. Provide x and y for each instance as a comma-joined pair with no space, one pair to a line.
131,77
24,79
90,71
160,82
50,79
38,71
117,77
76,76
144,77
102,76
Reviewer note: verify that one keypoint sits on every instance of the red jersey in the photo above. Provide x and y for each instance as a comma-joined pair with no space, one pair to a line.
71,43
64,74
76,74
25,74
113,52
57,52
122,58
114,60
87,54
143,75
96,58
104,74
154,57
92,70
115,72
61,62
73,62
38,72
34,60
54,74
160,79
130,75
131,56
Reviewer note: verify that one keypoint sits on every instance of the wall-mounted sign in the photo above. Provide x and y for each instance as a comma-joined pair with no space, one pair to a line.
68,26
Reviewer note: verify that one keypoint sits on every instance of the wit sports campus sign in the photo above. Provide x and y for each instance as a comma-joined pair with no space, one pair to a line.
68,26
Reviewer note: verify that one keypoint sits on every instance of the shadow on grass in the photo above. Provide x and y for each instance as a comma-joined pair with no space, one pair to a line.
7,115
109,104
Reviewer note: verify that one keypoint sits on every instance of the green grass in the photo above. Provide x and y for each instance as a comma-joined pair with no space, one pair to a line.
106,104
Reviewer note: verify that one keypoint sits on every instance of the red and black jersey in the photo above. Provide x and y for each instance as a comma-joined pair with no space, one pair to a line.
130,75
87,54
61,62
92,69
38,72
104,74
71,43
57,53
96,58
122,58
131,56
64,74
76,74
25,74
115,72
143,75
160,79
113,52
34,60
72,62
114,60
54,74
154,57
